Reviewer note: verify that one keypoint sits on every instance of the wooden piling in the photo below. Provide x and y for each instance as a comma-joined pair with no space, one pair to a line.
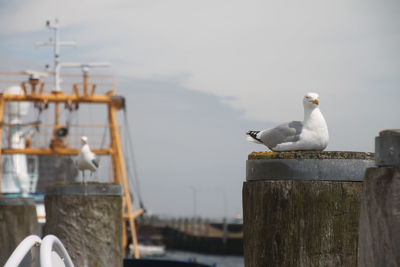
302,208
87,218
379,230
18,220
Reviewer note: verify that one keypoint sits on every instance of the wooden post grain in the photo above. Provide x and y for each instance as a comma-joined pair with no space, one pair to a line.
379,230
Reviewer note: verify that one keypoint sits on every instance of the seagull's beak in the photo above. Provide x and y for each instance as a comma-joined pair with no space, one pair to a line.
315,101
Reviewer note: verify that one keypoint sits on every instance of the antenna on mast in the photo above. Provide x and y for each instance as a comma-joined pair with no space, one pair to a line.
85,71
56,44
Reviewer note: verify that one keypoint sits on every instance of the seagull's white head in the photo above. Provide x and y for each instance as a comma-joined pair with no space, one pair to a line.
83,140
311,100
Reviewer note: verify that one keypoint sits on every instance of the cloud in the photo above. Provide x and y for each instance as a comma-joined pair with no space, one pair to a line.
263,54
256,51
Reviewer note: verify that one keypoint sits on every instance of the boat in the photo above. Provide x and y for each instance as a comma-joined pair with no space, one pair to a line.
29,141
162,263
150,250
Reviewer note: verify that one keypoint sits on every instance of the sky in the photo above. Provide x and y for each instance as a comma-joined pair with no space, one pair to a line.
198,74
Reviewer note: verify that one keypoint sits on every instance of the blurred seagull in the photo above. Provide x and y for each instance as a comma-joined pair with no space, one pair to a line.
86,159
309,134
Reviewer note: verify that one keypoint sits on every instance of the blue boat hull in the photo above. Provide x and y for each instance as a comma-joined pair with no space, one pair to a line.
161,263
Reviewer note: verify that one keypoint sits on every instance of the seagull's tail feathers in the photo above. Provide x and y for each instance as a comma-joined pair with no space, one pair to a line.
252,136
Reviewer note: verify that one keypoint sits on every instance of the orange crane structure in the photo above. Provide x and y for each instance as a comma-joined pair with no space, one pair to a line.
82,94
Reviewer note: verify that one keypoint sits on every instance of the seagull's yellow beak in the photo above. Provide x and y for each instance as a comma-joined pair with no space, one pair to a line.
315,101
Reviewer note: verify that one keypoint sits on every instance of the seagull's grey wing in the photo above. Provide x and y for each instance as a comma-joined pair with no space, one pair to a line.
95,162
287,132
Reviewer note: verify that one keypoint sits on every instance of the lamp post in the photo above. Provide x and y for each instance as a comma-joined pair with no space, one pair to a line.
225,201
224,219
194,200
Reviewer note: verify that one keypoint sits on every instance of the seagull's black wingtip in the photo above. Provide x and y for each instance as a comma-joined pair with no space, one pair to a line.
253,134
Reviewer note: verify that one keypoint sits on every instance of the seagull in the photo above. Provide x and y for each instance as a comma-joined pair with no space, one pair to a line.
309,134
86,159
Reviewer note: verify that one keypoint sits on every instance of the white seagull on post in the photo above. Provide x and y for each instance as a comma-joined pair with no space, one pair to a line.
86,159
309,134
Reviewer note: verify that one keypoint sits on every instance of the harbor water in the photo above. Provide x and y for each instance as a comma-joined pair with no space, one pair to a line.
219,260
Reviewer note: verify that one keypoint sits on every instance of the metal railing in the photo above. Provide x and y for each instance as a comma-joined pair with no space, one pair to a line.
48,246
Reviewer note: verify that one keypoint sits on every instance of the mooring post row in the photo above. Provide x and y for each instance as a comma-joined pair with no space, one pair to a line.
379,226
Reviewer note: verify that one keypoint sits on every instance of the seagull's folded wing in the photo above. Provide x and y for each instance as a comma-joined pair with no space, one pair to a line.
287,132
95,162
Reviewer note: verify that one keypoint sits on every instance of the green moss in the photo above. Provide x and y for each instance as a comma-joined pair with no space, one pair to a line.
77,183
312,155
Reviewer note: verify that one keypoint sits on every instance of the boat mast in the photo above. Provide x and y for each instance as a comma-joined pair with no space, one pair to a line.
56,44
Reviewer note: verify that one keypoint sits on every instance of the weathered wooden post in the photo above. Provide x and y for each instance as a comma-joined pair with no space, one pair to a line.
379,232
302,208
87,218
18,219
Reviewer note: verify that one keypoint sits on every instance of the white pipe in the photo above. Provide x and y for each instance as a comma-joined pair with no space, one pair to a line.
22,250
85,68
46,249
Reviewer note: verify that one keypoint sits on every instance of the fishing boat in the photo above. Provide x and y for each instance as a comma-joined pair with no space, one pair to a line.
42,120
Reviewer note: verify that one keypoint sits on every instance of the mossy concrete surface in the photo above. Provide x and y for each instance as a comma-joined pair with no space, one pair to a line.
89,225
312,155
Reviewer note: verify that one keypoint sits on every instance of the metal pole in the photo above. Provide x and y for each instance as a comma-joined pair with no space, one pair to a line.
56,56
194,200
224,219
56,44
225,201
2,107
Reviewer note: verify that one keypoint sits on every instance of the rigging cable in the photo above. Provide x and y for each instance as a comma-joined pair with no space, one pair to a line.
130,151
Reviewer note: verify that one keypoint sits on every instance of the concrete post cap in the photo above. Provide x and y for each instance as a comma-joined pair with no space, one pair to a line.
104,189
390,132
308,165
387,148
17,201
